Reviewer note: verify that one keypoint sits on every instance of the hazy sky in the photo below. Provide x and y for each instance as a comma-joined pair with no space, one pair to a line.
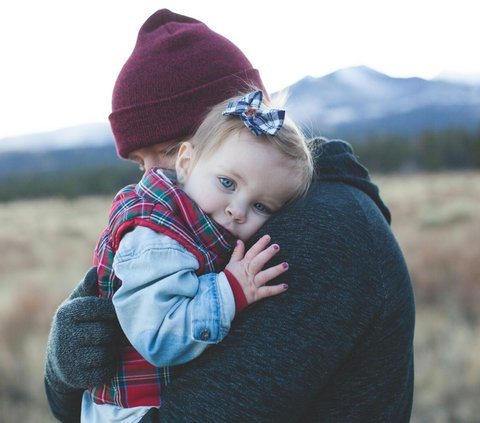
59,59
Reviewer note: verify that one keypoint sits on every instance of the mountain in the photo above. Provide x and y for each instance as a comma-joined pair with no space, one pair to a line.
80,147
461,78
81,136
350,103
359,101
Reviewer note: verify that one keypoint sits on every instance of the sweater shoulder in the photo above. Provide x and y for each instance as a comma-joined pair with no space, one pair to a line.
341,232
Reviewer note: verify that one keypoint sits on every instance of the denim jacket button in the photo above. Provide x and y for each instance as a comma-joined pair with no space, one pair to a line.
205,334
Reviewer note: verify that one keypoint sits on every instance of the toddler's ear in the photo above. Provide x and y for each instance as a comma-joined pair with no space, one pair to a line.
184,161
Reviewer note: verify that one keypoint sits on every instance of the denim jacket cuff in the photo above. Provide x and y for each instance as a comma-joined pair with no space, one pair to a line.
214,309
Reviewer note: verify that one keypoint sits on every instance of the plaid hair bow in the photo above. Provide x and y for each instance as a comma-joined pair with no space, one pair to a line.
268,121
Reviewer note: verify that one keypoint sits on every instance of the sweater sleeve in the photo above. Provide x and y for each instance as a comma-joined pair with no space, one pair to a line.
168,313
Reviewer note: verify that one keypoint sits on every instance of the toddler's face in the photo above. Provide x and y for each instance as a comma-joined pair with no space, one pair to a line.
241,184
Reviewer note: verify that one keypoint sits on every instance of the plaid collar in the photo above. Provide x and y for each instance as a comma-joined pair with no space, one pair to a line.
182,215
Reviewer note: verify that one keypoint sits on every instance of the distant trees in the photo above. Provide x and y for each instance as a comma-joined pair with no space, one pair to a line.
69,183
452,149
81,174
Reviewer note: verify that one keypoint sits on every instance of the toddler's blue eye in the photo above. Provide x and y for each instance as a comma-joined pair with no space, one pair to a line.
226,182
262,208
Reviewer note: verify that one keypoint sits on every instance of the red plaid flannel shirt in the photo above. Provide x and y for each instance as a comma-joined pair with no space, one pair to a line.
159,205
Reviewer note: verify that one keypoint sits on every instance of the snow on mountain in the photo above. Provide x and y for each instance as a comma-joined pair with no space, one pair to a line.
361,98
459,78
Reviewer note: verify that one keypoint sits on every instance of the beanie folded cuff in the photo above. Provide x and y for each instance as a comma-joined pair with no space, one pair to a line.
175,117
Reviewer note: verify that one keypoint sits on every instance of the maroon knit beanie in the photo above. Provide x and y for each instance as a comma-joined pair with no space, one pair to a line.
178,69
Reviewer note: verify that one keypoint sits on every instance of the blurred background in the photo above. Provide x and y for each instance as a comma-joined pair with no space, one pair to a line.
399,80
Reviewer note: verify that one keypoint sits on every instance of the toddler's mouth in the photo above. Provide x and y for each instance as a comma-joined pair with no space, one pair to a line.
228,227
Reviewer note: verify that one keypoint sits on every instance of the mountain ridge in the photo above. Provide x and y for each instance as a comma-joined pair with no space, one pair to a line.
350,102
341,103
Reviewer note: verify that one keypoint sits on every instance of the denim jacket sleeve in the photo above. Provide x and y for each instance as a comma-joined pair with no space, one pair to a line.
168,313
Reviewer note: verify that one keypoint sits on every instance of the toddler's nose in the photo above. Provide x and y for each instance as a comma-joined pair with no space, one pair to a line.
236,213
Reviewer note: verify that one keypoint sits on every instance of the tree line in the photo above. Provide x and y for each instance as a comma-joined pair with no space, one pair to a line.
71,184
449,150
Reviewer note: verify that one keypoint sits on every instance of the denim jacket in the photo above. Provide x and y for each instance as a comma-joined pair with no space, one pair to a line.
168,313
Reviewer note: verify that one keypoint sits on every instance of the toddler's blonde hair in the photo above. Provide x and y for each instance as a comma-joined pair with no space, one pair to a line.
289,140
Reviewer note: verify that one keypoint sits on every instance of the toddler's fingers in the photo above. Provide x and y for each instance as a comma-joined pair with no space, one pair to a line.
258,262
238,251
271,290
271,273
258,247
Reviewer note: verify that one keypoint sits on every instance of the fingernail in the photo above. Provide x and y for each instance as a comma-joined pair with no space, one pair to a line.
276,247
285,265
285,286
237,242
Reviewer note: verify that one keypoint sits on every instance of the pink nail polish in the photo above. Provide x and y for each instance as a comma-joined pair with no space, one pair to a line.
285,286
276,247
285,265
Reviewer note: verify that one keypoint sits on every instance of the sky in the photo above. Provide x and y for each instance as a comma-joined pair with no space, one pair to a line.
59,59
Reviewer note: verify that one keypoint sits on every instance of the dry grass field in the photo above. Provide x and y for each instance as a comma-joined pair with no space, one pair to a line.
46,245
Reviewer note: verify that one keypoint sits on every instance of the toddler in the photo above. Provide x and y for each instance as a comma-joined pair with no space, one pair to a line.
166,256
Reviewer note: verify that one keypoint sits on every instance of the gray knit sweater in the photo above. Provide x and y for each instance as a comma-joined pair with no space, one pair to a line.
338,345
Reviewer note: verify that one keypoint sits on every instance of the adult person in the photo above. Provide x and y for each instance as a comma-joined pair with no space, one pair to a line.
337,346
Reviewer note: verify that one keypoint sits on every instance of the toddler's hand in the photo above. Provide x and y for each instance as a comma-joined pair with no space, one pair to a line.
247,269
